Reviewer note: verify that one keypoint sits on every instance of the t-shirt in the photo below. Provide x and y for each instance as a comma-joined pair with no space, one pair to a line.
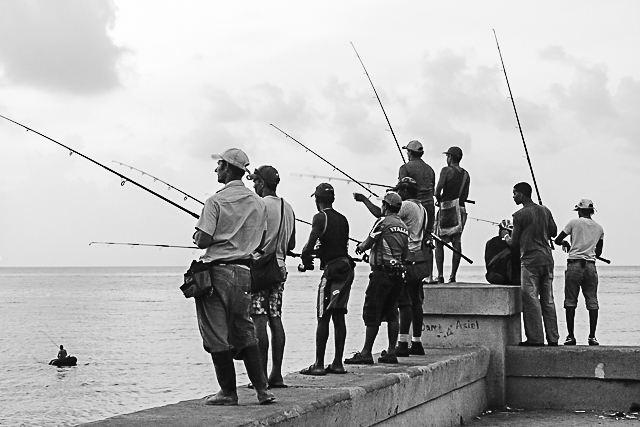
424,176
585,234
391,241
533,226
273,223
235,217
413,215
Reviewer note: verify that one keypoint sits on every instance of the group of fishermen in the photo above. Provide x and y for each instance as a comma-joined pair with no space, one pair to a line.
238,227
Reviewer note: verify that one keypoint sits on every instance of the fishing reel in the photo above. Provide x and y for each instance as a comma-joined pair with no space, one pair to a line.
395,268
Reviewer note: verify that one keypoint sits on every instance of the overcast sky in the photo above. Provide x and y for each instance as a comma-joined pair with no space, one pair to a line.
163,85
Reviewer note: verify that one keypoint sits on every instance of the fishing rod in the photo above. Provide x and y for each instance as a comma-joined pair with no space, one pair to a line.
186,196
326,161
170,187
518,120
331,178
603,260
380,102
50,339
483,220
123,178
143,244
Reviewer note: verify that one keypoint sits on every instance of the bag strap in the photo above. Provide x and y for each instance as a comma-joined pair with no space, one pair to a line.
281,221
465,175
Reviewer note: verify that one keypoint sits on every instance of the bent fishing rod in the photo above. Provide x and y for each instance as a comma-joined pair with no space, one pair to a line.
374,194
380,102
49,338
123,178
535,184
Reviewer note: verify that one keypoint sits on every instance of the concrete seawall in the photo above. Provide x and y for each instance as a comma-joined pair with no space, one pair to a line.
446,387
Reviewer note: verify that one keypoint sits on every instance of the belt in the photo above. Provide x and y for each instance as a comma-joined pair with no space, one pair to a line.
377,268
414,262
245,262
581,261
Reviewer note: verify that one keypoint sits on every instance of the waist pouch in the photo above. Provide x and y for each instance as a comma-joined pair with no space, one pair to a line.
197,280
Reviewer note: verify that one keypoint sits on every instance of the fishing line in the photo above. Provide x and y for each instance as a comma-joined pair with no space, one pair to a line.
50,339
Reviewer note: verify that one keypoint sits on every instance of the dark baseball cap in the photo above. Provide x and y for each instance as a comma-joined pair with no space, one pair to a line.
324,189
406,182
269,174
454,151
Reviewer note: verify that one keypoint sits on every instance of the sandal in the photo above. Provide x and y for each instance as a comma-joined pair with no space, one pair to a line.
359,359
313,370
331,370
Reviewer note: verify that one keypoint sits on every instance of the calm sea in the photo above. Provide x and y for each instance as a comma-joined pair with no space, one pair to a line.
138,345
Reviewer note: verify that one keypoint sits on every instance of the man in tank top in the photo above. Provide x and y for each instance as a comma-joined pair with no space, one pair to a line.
328,240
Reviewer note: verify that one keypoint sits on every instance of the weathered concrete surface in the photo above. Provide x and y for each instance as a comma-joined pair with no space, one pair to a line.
549,418
452,379
573,377
475,314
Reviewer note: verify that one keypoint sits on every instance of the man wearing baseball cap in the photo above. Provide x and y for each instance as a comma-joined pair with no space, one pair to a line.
331,229
266,305
425,178
451,193
389,244
587,240
501,260
230,228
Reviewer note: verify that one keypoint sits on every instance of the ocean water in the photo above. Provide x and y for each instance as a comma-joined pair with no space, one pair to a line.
138,345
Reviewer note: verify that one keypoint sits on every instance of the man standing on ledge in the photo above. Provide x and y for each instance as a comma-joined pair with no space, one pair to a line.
266,305
389,244
331,229
533,228
587,239
451,192
425,178
231,227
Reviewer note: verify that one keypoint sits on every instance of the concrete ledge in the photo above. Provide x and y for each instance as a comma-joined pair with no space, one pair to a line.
573,377
472,298
445,385
574,362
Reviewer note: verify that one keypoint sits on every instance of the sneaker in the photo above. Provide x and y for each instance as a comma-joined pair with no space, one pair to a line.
570,340
416,349
593,341
359,359
387,358
402,349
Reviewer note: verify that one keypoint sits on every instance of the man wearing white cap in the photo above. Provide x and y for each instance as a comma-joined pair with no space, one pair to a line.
587,239
231,227
425,178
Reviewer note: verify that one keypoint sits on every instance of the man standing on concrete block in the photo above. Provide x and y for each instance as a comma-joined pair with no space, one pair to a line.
587,239
533,228
425,178
266,305
232,225
388,241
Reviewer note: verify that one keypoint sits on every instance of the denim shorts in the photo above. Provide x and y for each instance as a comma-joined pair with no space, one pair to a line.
577,277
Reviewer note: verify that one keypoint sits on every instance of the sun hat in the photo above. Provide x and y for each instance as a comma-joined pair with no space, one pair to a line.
585,204
235,157
454,151
323,189
269,174
414,145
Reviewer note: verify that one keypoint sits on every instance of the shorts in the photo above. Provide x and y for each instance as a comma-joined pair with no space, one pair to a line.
268,301
335,287
413,291
223,315
577,277
381,298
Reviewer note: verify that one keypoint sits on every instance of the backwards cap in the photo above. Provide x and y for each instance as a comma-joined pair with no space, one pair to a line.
323,189
269,174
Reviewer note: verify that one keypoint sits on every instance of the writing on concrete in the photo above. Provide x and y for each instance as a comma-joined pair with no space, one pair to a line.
446,330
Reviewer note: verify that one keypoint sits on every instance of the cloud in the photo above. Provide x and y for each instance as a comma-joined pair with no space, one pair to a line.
59,45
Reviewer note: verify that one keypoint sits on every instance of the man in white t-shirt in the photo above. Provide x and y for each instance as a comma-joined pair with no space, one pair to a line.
587,239
266,305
